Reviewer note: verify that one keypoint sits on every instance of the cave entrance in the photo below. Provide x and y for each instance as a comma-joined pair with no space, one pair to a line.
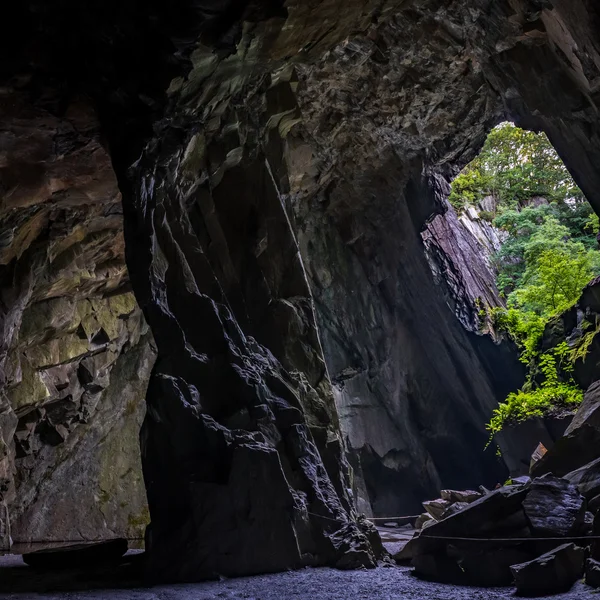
513,253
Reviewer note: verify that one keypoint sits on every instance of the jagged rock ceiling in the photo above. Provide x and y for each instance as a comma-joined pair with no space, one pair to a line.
298,151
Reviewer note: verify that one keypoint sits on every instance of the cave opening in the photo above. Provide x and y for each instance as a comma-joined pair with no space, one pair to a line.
513,250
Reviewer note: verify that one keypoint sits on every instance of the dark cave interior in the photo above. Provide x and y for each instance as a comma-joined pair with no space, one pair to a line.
258,175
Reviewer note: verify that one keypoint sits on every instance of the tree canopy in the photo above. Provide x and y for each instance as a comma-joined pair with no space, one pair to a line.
515,166
548,255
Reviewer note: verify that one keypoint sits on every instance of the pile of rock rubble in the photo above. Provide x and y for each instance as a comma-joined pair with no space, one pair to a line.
538,533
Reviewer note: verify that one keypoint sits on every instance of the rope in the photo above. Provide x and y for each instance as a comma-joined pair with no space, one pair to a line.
527,539
323,517
393,518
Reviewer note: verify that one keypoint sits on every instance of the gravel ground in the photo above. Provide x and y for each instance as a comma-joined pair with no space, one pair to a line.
386,583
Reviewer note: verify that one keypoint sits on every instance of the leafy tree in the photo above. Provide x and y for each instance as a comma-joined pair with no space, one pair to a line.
515,166
555,279
548,255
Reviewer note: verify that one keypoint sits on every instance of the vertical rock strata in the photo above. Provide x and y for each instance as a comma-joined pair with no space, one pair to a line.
460,251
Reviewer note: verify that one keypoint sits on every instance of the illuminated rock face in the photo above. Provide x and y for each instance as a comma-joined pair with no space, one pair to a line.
273,202
76,353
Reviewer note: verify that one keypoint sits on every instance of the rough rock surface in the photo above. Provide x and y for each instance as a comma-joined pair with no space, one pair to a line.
89,485
587,479
299,151
460,250
553,572
479,543
554,508
519,442
581,443
75,354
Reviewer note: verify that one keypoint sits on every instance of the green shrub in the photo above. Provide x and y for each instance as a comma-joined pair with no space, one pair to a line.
549,254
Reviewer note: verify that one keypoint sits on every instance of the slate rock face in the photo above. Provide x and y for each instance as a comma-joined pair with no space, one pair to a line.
554,508
89,486
460,251
551,573
75,353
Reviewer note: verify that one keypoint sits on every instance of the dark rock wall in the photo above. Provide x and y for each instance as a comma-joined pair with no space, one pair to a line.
353,116
414,388
76,354
89,485
240,443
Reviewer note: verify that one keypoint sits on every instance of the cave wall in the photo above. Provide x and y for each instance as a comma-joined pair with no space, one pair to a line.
414,389
460,251
299,151
76,353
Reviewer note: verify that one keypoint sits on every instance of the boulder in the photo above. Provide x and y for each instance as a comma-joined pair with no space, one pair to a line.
487,566
436,508
491,513
499,514
589,411
588,524
78,555
454,508
405,555
595,546
554,507
587,479
422,520
592,573
438,566
551,573
467,496
518,442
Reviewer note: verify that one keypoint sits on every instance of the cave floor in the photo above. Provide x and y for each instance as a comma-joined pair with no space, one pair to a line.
385,583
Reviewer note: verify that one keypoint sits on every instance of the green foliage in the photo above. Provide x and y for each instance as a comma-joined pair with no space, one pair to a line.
514,166
557,390
554,279
582,348
548,255
547,399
